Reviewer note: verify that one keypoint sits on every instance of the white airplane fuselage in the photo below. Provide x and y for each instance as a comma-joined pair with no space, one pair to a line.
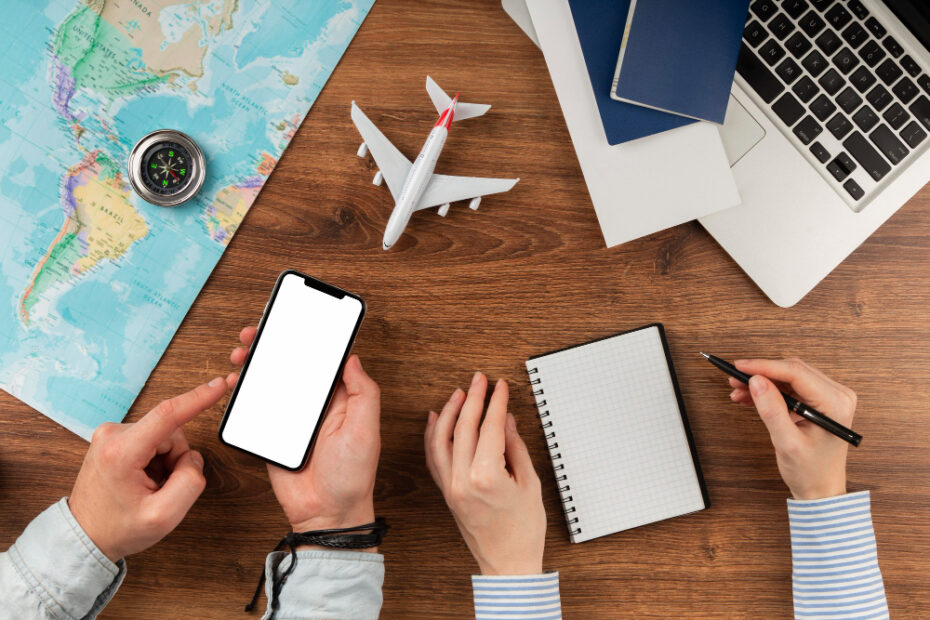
418,178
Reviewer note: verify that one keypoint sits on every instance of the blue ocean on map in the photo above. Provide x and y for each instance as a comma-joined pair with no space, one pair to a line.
94,280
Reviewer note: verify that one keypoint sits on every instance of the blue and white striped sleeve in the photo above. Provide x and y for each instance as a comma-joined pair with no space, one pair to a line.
516,597
836,573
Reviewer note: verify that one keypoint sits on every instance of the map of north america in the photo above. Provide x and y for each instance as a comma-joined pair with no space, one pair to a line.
97,280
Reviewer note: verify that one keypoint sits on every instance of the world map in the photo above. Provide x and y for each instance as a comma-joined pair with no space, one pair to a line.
94,280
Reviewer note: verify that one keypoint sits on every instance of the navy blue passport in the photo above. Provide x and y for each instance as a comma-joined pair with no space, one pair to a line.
600,25
680,55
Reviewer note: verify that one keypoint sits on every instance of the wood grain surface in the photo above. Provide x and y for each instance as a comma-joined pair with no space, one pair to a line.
526,273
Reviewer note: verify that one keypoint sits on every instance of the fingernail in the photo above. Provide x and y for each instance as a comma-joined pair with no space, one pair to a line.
757,385
216,382
197,458
358,361
739,362
733,395
456,393
511,422
475,379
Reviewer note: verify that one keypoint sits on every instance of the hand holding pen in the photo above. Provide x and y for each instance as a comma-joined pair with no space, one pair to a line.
811,461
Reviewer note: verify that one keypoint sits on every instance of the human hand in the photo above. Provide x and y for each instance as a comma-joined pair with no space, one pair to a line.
488,480
336,488
139,480
811,460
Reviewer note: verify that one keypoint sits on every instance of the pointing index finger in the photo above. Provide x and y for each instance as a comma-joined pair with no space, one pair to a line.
168,416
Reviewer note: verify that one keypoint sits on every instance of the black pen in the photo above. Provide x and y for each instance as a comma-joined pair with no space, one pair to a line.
796,406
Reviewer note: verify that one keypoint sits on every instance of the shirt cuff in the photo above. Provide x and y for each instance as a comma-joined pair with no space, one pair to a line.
517,596
835,560
327,584
63,567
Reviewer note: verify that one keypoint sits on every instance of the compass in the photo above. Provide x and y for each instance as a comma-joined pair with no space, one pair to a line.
166,168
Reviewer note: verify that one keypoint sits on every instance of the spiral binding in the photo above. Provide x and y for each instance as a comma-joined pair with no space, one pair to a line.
552,445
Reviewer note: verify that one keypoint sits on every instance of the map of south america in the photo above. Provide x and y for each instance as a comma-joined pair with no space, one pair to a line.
97,279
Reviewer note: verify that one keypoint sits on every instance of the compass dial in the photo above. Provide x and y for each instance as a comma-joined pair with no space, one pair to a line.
166,168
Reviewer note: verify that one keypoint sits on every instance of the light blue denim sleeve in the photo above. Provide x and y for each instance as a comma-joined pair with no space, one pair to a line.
327,584
54,570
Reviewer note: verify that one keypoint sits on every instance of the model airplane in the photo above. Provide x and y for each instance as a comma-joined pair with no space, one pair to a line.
413,185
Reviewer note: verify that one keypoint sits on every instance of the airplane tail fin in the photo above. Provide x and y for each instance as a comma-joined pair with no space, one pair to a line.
442,101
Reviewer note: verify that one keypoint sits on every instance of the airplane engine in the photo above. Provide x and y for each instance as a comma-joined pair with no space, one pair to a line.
473,205
379,178
443,210
362,150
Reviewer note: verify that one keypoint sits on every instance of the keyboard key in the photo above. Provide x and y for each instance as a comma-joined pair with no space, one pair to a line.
757,75
870,160
763,9
812,23
838,16
849,101
857,8
755,33
875,28
893,47
896,116
808,129
845,60
889,71
831,81
798,44
905,90
862,79
781,26
821,153
872,53
911,66
921,109
788,109
822,107
924,82
889,144
828,42
855,35
821,5
794,8
841,166
815,63
805,89
865,118
879,97
839,126
772,52
788,70
853,189
913,134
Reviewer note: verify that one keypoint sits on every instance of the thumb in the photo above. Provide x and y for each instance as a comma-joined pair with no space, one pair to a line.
181,489
518,457
364,404
774,412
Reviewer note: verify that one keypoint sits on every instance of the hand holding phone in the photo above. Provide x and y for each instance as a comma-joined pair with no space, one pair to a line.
291,370
336,488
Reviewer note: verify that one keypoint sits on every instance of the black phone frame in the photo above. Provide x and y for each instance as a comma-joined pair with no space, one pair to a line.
323,287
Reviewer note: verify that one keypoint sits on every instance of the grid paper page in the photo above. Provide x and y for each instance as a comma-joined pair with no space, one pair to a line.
620,434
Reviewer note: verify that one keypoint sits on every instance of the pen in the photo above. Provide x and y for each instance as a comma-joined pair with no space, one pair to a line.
805,411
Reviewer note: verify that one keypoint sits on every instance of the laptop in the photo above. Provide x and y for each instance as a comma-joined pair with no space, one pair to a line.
826,132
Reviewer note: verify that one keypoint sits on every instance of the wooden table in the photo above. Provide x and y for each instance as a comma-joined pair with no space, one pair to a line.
527,273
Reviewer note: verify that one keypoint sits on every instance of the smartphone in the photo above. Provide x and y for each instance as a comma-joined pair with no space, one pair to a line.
292,370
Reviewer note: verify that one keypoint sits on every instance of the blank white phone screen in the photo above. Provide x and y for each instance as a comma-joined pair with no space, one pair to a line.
283,391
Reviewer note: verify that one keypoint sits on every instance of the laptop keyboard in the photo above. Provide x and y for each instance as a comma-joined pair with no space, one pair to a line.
842,89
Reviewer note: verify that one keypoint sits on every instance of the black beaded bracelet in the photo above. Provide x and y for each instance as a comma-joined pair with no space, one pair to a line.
338,538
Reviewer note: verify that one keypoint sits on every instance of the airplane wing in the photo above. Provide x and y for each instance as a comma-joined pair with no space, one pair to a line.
443,188
392,163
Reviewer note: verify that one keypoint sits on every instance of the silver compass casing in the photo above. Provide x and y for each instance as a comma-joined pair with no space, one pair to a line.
136,157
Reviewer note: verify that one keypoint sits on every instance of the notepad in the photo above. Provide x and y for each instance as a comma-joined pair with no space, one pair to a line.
617,433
